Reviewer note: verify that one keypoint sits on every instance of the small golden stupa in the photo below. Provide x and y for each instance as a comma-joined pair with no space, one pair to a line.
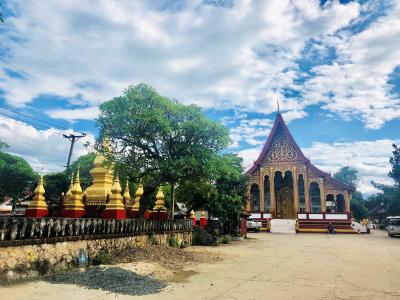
136,205
127,196
159,204
38,206
97,193
115,207
73,206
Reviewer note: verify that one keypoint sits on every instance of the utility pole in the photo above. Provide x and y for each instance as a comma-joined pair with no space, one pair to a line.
72,137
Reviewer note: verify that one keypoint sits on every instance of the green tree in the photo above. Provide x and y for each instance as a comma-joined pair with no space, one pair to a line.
57,183
85,164
389,197
16,176
229,198
160,138
395,163
349,176
3,145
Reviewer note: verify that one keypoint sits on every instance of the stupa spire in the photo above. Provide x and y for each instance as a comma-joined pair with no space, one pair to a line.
38,207
136,204
115,208
127,196
159,204
96,194
74,207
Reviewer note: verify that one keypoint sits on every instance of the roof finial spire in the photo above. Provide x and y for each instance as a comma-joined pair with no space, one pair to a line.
277,103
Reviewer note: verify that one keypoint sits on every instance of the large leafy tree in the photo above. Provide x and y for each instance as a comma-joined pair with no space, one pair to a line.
349,176
222,194
159,138
230,190
395,163
388,201
16,177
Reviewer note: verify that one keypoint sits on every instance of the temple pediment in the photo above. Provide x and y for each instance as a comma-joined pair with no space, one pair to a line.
281,148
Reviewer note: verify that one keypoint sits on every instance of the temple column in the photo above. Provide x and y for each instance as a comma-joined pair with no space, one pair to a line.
307,193
322,196
295,193
347,199
272,193
261,185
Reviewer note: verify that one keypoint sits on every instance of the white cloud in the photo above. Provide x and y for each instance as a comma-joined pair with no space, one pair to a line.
88,113
200,54
355,85
253,132
370,158
45,150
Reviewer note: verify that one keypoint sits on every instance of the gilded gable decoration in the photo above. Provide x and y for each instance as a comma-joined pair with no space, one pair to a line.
281,149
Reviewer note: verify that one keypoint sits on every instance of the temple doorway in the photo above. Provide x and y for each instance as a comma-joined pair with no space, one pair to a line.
284,195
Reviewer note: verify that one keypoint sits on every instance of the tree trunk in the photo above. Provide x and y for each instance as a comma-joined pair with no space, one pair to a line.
173,200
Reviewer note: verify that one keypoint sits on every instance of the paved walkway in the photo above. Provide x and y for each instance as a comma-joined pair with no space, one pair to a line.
273,266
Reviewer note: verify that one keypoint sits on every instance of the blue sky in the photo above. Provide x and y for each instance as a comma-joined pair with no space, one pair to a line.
334,66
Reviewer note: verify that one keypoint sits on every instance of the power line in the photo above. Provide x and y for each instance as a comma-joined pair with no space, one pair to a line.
18,121
37,119
36,78
14,119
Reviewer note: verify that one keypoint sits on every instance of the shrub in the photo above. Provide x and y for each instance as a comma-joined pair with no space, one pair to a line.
101,259
173,241
226,239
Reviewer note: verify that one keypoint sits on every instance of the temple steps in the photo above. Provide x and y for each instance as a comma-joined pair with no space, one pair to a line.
341,226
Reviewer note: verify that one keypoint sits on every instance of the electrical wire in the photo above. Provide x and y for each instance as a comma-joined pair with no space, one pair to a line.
37,119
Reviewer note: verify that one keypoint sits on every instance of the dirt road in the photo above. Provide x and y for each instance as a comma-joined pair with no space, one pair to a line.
268,266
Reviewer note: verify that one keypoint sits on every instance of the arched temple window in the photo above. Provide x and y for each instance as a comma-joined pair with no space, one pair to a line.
302,197
315,197
255,197
330,203
267,194
340,203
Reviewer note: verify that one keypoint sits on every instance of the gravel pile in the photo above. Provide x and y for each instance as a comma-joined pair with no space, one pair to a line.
111,279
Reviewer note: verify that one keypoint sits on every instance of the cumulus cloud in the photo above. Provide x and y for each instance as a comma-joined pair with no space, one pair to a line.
356,83
371,165
212,55
88,113
45,150
253,132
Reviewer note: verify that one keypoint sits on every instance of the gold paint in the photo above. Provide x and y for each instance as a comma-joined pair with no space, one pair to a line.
38,200
115,197
74,202
159,205
138,196
127,196
102,179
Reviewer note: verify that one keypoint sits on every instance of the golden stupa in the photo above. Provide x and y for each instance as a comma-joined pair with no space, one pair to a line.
97,193
38,206
73,206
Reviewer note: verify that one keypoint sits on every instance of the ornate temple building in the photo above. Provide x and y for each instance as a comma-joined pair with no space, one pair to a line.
285,185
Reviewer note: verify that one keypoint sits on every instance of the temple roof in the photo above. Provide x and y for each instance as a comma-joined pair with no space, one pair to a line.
280,128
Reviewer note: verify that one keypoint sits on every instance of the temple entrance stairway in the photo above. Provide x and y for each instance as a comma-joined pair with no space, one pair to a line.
283,226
